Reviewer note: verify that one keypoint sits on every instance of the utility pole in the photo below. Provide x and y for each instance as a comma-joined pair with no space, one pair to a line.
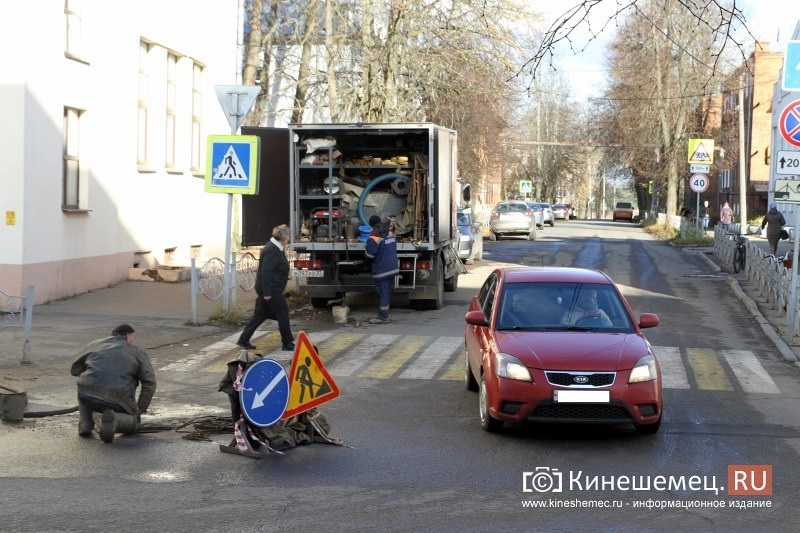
742,164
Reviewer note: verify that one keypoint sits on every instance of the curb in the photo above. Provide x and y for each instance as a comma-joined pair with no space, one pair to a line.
785,350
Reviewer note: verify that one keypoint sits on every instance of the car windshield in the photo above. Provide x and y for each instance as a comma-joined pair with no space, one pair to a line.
562,306
463,219
624,205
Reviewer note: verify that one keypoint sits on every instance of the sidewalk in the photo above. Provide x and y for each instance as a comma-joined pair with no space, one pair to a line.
161,314
773,324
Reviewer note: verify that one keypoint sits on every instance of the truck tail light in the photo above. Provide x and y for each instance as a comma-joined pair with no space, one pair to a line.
307,264
423,265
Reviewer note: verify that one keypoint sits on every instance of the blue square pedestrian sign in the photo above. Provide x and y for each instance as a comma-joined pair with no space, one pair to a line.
791,67
232,164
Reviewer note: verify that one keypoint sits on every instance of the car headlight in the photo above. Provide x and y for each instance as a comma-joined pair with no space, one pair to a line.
508,366
644,370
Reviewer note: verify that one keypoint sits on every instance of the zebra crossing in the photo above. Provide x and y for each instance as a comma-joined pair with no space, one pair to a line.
391,355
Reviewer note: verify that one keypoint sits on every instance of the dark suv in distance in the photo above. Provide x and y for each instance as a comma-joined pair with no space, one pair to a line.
512,218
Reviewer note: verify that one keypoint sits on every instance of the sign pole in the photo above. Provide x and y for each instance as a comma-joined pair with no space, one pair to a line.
236,101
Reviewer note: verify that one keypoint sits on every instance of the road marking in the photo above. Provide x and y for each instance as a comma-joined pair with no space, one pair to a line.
336,344
387,366
455,372
673,373
432,358
384,355
708,371
361,354
749,372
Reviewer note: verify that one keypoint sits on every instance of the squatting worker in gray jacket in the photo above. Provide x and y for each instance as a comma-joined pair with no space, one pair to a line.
109,371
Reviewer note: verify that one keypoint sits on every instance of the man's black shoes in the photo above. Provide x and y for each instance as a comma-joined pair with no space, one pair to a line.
288,347
246,345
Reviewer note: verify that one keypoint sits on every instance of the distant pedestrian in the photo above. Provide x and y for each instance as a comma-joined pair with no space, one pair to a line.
109,371
726,216
273,273
705,215
381,247
774,222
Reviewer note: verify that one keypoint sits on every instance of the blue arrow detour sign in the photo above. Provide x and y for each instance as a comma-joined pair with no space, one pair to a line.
265,392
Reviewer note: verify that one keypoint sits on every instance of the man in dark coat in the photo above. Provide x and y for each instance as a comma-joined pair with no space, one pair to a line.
109,371
774,222
273,273
381,247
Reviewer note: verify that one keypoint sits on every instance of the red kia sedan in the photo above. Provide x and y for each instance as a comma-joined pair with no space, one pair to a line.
559,344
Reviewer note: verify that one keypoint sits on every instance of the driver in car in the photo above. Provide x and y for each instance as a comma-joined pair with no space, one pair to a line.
586,311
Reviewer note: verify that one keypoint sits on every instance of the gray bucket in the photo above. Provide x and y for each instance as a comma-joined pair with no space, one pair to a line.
12,404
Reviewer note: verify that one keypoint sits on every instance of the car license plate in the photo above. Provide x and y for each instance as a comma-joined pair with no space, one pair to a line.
581,396
309,273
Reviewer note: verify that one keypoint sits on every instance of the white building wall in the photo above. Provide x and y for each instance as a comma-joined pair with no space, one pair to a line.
127,208
780,100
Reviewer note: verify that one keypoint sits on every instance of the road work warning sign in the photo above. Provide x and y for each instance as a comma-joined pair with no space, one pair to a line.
310,385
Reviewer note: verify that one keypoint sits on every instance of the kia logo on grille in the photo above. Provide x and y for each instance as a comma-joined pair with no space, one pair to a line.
580,379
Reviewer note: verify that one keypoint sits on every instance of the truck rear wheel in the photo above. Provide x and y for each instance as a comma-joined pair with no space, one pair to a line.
451,284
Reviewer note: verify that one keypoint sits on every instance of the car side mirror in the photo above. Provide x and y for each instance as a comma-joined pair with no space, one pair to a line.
476,318
648,320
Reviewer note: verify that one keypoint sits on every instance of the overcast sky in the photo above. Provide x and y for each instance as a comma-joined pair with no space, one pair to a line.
766,20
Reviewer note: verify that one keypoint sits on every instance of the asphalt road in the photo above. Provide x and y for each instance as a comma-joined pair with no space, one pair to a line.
416,458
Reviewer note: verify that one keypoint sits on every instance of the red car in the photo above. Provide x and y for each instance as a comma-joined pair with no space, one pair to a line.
559,344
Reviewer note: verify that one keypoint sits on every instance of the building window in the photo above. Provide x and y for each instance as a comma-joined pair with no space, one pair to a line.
143,140
72,10
172,105
197,100
72,162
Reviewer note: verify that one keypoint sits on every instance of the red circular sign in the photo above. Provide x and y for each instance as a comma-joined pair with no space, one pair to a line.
790,123
698,182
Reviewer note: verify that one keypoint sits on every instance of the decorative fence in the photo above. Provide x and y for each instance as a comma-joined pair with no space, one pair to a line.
209,279
772,279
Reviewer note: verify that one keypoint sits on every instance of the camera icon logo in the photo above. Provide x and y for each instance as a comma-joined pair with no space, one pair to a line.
544,479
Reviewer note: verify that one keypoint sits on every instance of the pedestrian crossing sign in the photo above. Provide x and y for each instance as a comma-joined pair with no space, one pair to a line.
310,385
701,151
232,164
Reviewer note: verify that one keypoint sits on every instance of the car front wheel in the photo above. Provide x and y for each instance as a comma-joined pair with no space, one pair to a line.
488,423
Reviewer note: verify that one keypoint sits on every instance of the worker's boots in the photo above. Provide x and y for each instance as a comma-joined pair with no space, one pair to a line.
112,423
86,420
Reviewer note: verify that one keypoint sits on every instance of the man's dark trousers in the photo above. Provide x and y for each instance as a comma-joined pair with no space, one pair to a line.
276,308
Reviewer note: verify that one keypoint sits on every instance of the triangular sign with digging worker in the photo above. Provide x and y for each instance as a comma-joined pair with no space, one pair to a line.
310,385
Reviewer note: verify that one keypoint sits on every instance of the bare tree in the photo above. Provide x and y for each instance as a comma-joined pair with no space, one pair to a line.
662,71
720,20
396,60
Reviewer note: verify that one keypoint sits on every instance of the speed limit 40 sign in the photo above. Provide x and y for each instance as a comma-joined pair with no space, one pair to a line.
698,182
